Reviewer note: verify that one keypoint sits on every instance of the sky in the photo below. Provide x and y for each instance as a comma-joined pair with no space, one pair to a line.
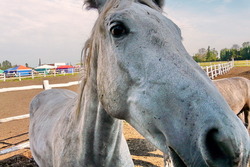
55,30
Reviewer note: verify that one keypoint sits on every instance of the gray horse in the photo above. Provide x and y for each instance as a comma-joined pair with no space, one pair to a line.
136,70
236,91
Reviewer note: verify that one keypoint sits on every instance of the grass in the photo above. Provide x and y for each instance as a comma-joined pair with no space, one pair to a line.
242,63
35,77
211,63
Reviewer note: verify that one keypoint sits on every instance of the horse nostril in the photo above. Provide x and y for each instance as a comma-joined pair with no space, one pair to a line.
220,150
213,145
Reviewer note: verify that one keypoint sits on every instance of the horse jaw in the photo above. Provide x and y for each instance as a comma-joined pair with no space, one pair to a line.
176,115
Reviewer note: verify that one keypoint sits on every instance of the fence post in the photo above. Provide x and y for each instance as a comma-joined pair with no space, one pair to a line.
216,70
207,71
212,72
19,76
219,68
32,74
228,66
46,85
222,69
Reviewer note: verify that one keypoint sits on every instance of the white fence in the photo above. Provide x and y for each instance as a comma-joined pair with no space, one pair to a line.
218,69
2,76
45,85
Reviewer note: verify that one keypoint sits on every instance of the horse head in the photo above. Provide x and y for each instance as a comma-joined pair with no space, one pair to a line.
144,75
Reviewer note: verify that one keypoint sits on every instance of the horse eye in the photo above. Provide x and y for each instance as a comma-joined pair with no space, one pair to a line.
118,30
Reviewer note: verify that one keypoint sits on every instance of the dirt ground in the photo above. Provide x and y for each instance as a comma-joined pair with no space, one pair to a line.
17,103
236,72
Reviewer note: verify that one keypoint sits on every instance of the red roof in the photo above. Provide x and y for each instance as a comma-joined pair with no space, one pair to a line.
65,66
23,68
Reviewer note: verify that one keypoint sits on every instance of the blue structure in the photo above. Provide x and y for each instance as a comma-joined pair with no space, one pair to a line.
19,71
65,69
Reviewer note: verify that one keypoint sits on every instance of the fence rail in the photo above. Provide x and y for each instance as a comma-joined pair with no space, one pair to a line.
24,75
241,63
25,144
237,63
218,69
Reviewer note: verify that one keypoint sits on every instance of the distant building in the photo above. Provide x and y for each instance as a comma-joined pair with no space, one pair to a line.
46,69
18,71
56,64
59,64
65,69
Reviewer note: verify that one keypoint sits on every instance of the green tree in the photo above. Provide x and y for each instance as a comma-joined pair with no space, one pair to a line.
211,54
233,53
245,53
225,54
246,44
6,64
235,50
206,55
200,56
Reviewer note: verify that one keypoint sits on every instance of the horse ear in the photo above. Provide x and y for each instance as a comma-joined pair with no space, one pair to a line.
160,3
97,4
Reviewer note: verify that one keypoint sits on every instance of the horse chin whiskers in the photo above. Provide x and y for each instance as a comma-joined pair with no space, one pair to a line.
176,158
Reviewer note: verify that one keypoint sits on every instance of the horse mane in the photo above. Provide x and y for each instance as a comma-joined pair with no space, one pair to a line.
92,46
151,3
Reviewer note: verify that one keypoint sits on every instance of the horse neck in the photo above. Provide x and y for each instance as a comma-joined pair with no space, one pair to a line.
248,92
102,140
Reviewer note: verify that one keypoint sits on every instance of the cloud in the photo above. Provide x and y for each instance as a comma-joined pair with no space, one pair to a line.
52,30
212,27
217,1
55,30
227,1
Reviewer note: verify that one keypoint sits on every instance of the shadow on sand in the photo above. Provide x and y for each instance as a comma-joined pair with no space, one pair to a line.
141,147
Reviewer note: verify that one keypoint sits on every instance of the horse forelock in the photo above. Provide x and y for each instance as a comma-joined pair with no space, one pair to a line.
91,50
155,4
92,46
